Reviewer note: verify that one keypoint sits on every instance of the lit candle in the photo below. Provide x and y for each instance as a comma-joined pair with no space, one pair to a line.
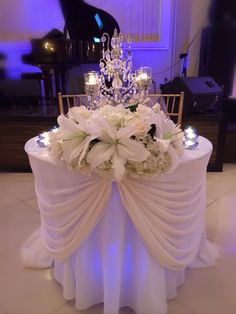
43,139
190,138
91,78
142,77
143,74
91,81
190,133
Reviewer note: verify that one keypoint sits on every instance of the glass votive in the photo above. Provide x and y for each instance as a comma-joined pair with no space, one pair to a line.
91,78
190,138
143,74
43,139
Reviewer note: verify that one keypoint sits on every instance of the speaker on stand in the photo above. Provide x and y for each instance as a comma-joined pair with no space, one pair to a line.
201,94
202,101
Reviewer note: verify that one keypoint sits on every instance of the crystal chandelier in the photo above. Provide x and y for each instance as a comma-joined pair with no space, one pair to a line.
116,83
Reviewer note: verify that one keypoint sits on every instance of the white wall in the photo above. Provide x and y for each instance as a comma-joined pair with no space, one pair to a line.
199,19
191,17
23,19
182,32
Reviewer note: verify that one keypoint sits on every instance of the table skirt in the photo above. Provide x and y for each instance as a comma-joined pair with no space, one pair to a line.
114,264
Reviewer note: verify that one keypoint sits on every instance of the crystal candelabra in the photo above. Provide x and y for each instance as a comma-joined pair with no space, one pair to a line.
116,83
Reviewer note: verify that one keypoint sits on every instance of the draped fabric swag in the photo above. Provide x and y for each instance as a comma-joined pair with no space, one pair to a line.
167,212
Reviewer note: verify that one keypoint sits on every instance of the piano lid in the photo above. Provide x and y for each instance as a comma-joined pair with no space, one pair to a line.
86,22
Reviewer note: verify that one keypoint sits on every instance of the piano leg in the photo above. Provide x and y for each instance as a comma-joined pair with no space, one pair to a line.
60,79
47,80
63,80
57,80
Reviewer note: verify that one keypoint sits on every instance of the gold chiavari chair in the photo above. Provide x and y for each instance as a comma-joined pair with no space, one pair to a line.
68,101
171,104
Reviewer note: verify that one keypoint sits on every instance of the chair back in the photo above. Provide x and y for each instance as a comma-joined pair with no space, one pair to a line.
171,104
68,101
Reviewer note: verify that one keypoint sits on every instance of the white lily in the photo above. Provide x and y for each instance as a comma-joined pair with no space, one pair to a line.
167,133
168,138
163,145
74,138
79,113
115,146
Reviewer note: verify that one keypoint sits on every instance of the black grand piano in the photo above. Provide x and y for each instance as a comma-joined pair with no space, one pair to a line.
79,43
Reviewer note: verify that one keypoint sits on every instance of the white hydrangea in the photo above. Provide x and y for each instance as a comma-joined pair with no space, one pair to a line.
115,142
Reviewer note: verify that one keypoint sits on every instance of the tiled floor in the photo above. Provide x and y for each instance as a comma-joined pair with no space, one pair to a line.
28,291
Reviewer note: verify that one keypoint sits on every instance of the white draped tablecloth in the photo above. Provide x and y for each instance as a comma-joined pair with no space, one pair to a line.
126,243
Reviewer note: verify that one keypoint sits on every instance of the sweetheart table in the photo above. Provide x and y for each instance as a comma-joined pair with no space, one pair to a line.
124,243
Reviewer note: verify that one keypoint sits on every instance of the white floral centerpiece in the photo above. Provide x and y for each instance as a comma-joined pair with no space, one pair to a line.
115,142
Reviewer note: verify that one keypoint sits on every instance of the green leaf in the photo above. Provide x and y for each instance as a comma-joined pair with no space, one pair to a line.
152,131
132,108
